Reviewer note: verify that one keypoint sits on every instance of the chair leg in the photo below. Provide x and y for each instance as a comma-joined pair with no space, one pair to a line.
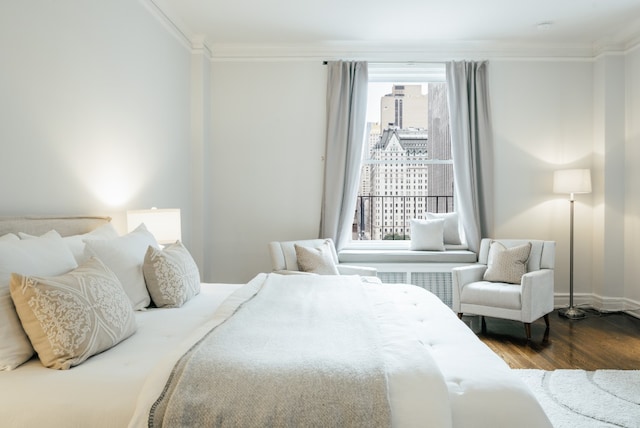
527,329
484,324
546,320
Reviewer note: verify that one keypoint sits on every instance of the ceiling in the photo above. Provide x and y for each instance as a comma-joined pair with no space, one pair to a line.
565,23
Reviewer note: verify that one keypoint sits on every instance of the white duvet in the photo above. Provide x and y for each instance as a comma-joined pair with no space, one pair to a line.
439,373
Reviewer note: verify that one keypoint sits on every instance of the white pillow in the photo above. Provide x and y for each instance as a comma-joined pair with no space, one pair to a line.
9,237
451,229
427,235
46,255
171,275
76,242
316,260
124,255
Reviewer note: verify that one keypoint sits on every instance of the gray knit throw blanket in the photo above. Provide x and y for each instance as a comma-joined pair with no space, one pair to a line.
304,351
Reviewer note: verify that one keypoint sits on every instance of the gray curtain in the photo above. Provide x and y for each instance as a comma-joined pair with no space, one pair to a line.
471,148
346,115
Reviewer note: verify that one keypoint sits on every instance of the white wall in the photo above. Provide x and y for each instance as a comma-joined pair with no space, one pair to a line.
608,181
542,121
268,137
632,178
94,111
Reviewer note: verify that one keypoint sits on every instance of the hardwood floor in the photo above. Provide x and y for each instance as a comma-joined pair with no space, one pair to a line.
600,341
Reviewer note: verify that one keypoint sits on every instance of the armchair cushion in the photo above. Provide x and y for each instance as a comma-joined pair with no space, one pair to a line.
316,259
494,294
507,264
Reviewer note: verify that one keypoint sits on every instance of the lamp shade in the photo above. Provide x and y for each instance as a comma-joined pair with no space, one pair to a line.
164,224
572,181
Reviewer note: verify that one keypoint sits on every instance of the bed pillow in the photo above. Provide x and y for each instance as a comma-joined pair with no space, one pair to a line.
427,235
76,242
451,229
46,255
71,317
124,256
171,275
316,259
507,264
9,237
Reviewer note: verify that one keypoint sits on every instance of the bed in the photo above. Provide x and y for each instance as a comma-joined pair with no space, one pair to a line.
239,351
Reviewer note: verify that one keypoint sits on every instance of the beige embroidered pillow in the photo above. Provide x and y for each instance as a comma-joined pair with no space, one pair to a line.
171,275
71,317
46,255
507,264
316,260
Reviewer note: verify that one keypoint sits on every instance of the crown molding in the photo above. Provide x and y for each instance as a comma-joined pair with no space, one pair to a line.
195,43
384,51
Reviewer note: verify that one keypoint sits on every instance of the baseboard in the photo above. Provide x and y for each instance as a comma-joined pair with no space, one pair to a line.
600,303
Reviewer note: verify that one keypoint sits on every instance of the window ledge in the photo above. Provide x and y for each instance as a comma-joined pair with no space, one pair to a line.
405,255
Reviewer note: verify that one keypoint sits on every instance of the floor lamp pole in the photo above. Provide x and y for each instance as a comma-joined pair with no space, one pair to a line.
571,312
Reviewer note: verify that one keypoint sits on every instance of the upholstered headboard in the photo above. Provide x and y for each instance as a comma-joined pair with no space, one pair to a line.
64,225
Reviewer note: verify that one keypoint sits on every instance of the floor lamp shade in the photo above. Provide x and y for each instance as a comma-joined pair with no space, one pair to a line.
164,224
572,181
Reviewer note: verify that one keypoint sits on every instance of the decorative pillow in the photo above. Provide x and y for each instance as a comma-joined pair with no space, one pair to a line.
316,260
451,230
124,256
171,275
507,264
427,235
76,242
71,317
47,255
9,237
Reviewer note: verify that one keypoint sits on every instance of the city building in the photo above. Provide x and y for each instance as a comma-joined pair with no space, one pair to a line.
408,169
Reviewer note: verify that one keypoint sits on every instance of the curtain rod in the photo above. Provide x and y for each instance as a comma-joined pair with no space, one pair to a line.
325,62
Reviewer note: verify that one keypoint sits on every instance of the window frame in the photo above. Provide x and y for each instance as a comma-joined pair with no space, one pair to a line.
399,74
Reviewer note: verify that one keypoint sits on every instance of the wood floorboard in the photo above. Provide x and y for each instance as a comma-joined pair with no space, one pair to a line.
600,341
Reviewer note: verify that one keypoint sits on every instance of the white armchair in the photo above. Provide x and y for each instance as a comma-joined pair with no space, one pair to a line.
284,259
526,301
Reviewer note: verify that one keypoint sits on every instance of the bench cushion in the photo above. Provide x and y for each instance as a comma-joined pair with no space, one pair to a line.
406,256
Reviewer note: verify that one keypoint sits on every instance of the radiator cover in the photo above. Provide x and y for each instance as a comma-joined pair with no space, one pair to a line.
439,283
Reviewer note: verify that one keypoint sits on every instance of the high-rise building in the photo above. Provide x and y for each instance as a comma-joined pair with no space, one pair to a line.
405,107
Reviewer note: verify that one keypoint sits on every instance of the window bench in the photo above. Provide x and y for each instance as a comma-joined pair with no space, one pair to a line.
430,270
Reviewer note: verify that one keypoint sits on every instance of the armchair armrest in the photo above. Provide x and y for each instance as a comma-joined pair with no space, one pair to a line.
537,294
357,270
466,274
461,276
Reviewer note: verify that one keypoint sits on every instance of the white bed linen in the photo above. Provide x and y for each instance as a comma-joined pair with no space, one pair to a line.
483,391
102,392
425,347
416,328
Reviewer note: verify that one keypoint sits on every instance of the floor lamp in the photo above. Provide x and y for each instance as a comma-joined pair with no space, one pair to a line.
572,181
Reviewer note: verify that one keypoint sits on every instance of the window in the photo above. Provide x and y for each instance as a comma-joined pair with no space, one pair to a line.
407,162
